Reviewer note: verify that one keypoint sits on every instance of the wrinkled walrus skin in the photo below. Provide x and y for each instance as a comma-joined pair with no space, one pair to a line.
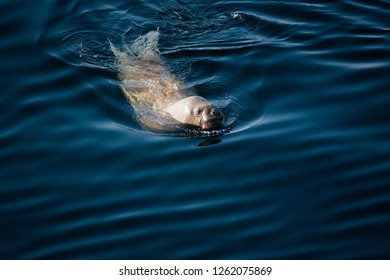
160,101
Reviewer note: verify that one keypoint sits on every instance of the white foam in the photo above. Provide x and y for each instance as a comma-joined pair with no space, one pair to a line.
145,45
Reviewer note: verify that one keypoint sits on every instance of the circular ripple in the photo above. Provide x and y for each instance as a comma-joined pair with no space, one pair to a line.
195,41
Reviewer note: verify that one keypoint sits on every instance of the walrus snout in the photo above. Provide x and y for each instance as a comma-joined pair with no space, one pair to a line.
212,118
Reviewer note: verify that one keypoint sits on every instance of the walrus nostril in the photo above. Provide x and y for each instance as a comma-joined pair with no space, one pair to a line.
211,121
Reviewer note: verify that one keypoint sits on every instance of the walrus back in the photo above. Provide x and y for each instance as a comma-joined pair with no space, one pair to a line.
147,83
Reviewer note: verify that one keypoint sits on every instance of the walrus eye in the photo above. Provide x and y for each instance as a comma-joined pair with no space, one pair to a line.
197,112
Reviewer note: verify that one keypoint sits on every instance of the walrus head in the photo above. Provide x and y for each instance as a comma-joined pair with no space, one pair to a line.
196,110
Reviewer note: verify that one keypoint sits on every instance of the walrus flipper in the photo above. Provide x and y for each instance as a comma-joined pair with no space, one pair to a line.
146,46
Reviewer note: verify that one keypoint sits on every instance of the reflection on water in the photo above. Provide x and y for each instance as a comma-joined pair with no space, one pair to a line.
302,173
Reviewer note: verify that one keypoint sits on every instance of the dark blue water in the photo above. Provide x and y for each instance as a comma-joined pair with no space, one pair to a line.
302,173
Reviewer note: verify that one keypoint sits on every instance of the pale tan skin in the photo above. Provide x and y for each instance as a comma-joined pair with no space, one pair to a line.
150,87
194,110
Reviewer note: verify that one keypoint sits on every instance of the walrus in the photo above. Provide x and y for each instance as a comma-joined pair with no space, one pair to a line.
160,100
